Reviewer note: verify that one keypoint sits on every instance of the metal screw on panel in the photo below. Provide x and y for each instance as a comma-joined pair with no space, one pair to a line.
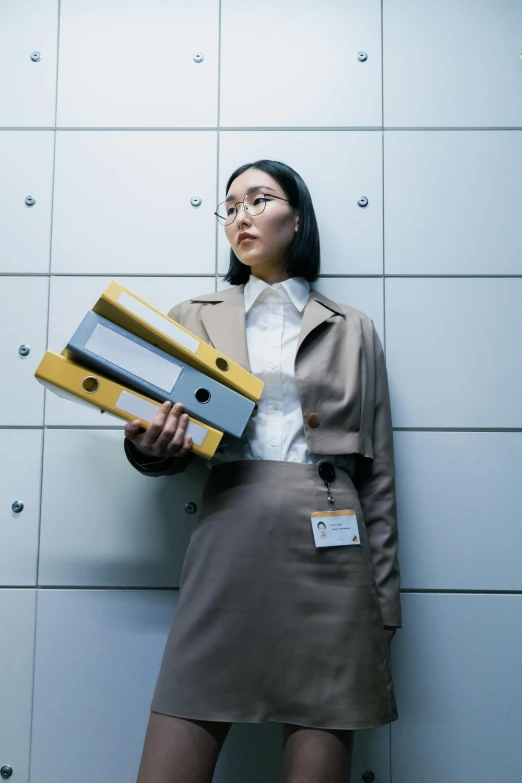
36,57
30,201
363,201
191,508
362,56
196,202
24,350
198,57
17,506
368,776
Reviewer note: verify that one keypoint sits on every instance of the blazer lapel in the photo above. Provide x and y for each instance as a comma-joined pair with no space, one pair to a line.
225,320
317,310
226,324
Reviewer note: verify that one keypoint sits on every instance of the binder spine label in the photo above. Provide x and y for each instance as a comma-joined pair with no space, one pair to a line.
136,406
160,323
134,358
198,432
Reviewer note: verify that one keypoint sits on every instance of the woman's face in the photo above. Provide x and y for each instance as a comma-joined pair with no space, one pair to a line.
273,230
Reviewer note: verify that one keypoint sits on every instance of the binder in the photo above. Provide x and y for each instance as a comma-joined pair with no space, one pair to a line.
124,357
124,308
77,383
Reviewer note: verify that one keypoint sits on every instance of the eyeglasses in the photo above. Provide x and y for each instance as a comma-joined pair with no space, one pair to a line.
254,203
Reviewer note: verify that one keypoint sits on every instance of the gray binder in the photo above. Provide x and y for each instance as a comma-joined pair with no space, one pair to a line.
112,350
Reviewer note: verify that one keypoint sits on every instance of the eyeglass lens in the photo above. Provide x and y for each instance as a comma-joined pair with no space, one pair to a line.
254,204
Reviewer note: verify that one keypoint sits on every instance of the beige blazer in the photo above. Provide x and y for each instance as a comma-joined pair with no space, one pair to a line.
342,381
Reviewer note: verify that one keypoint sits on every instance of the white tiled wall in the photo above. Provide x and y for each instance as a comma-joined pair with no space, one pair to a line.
131,110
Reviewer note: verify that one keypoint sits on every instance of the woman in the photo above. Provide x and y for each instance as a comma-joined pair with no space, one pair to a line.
274,623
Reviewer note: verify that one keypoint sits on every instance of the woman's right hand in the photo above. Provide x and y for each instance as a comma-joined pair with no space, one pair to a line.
165,436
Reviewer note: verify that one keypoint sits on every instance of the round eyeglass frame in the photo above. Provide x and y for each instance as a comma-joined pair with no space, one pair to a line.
219,217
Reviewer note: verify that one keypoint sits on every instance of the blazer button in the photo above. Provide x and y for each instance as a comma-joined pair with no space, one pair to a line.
313,420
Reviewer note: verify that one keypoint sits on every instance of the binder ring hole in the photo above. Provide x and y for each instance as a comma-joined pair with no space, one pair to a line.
90,384
222,364
202,395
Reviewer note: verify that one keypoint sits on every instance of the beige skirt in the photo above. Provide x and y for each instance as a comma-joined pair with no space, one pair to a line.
268,627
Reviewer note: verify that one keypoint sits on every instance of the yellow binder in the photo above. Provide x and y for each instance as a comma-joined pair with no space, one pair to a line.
124,308
72,381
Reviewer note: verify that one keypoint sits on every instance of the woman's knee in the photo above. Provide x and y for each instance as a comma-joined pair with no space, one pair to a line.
312,754
181,749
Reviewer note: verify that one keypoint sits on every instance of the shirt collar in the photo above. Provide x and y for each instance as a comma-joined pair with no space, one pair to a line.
297,289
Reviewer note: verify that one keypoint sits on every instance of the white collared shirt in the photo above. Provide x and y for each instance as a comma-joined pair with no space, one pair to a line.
273,316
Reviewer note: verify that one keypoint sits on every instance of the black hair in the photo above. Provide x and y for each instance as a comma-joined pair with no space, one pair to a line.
321,523
304,254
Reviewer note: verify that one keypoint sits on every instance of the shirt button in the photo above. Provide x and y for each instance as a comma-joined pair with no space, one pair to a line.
275,406
274,442
276,311
274,345
313,420
272,364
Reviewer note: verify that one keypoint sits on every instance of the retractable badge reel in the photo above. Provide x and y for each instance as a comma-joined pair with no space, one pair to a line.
327,472
334,527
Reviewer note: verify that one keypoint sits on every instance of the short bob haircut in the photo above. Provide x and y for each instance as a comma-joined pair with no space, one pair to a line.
304,254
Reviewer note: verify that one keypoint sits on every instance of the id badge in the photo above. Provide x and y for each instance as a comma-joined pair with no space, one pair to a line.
335,528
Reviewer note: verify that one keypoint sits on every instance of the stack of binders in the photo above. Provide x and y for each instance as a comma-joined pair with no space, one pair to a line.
127,358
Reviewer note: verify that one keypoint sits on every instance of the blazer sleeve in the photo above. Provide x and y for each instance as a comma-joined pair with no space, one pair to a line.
376,490
152,466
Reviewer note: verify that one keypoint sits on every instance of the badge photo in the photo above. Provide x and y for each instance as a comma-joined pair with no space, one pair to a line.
335,528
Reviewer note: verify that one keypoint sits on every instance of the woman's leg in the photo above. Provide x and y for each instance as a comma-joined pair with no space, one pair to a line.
313,755
179,750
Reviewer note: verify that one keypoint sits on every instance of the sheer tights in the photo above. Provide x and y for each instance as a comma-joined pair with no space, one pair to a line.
179,750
